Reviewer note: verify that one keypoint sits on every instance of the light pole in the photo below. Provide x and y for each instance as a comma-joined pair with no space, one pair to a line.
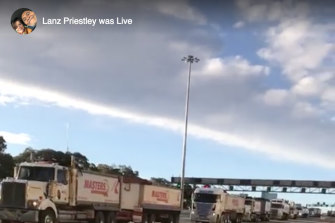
189,59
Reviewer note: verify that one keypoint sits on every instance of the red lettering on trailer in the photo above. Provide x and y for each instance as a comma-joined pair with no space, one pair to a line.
160,196
97,187
235,202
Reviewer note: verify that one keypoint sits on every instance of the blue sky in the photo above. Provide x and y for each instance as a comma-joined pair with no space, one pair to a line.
262,96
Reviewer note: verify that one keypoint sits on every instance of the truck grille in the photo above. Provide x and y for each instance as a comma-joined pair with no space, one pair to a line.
203,209
274,212
13,194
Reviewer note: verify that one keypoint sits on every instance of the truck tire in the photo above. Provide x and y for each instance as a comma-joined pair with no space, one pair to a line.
239,218
110,217
145,217
151,218
99,217
175,218
47,216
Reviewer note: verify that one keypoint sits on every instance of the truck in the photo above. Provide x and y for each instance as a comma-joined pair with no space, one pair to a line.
265,211
46,192
314,212
252,209
215,205
256,209
293,210
304,212
280,209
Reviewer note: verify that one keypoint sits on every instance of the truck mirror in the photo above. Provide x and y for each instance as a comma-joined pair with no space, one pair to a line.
15,171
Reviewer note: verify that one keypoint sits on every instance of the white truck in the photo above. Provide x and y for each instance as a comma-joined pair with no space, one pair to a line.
252,209
314,212
48,193
215,205
265,208
280,209
293,210
256,209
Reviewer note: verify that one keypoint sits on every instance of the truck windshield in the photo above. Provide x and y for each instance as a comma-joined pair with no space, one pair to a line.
277,206
44,174
248,202
206,198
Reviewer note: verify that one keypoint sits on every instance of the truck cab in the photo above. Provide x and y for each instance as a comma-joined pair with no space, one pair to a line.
280,209
250,209
34,191
293,210
206,203
215,205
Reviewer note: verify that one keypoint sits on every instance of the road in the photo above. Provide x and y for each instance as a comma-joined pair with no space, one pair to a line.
185,218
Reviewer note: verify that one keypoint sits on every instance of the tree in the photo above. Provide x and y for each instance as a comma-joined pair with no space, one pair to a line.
25,155
117,169
6,165
161,181
3,144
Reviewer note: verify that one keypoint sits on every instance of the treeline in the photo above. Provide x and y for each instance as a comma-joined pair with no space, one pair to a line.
8,162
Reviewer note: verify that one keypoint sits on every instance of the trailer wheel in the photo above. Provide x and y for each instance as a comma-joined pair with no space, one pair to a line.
99,217
47,216
152,218
175,218
110,217
144,218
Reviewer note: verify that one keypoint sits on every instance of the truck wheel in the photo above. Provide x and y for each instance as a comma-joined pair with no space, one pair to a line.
99,217
47,216
175,218
144,218
152,218
110,217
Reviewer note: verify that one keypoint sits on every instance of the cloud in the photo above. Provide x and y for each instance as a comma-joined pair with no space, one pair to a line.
233,67
307,86
238,24
248,141
181,10
276,97
134,73
16,138
305,109
264,10
295,48
4,99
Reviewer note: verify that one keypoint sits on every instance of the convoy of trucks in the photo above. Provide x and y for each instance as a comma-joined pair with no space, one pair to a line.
48,193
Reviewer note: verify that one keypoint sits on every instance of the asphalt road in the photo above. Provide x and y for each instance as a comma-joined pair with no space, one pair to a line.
185,218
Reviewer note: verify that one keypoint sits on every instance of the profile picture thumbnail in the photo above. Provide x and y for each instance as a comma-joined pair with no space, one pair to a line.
24,21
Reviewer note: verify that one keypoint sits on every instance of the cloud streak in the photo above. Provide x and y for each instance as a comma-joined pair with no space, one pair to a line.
23,92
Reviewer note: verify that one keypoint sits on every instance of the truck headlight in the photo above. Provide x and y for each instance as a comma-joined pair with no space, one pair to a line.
33,203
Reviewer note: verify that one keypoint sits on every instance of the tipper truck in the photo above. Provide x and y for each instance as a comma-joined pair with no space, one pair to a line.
252,209
46,192
256,209
293,210
280,209
215,205
265,206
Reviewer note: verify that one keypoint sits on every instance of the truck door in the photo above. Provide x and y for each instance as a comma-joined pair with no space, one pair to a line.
62,187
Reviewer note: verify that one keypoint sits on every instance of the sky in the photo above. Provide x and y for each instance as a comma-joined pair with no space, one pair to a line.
262,96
